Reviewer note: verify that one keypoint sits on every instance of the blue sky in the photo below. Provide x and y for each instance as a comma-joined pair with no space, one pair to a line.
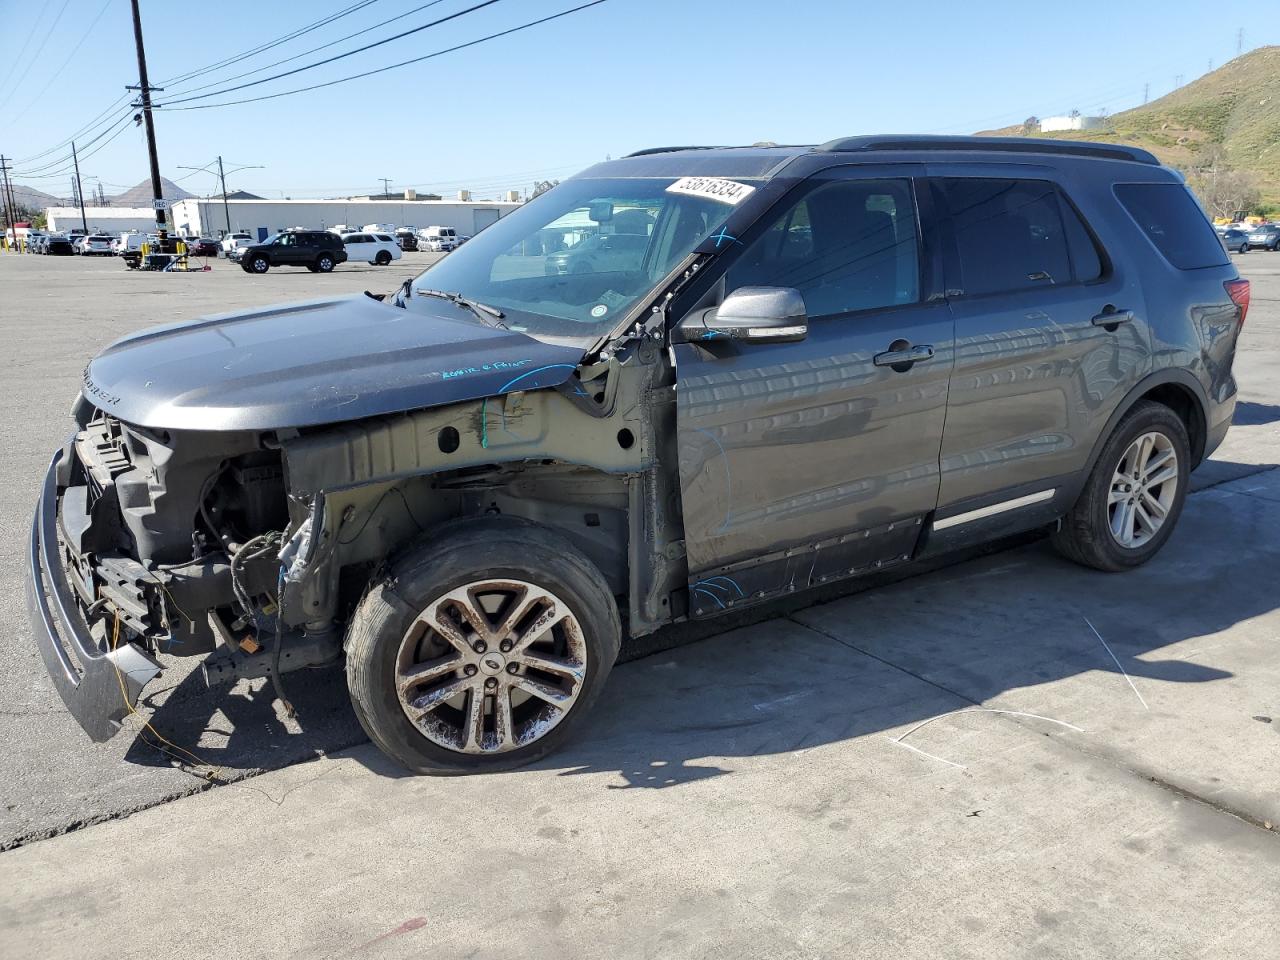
547,101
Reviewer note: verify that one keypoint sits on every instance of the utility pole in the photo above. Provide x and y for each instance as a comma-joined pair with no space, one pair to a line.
1240,41
1146,92
145,88
226,208
1177,81
79,189
8,210
386,187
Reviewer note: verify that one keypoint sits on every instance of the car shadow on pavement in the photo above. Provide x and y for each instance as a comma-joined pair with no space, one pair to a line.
826,667
1250,414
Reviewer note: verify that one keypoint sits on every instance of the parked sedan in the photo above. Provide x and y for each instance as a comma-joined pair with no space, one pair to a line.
376,248
1266,236
1236,241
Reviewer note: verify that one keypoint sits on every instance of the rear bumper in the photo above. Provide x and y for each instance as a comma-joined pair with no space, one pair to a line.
99,687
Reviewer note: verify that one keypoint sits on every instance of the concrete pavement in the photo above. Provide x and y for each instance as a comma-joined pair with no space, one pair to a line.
833,782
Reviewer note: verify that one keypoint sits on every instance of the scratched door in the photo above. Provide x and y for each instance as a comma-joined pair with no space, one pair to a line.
809,461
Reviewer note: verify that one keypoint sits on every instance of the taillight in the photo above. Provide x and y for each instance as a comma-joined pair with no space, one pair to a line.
1238,291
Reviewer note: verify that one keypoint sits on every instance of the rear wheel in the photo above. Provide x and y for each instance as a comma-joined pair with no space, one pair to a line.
324,263
259,264
1134,496
383,258
483,650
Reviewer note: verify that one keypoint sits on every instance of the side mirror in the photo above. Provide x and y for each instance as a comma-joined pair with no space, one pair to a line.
755,314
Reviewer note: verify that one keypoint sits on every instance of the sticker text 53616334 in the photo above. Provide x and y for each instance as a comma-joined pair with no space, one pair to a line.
712,188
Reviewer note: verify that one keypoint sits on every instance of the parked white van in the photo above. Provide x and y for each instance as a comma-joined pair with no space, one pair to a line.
439,238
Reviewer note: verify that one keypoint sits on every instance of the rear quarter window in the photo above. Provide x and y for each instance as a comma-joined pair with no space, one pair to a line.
1174,222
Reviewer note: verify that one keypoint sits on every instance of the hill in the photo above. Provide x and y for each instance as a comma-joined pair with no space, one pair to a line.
140,196
33,200
1234,110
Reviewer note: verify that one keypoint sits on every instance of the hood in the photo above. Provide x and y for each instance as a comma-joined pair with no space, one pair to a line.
314,363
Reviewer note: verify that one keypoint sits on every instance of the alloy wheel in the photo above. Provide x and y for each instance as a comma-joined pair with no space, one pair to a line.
1143,489
491,666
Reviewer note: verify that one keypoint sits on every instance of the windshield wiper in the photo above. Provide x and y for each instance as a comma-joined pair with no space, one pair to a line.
483,312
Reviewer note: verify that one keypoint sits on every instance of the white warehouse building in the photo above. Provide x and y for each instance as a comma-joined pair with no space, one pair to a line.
108,220
261,218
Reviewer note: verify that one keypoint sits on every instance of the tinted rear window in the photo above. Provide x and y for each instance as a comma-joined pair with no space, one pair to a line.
1171,218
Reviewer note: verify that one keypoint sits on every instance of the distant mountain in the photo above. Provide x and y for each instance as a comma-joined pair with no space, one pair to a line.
141,195
1234,109
33,200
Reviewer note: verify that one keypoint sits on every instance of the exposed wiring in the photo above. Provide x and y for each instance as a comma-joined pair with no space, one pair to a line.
167,746
386,493
276,684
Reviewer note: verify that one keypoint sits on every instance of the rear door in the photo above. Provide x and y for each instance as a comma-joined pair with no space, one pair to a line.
1038,368
805,462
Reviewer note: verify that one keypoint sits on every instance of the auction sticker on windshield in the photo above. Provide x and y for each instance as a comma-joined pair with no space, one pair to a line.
712,188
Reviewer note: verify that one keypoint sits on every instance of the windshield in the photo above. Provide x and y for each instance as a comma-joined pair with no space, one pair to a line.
573,261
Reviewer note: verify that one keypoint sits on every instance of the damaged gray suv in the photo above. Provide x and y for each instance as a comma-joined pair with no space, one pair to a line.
803,364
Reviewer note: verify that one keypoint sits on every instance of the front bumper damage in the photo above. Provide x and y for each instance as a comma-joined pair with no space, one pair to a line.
99,686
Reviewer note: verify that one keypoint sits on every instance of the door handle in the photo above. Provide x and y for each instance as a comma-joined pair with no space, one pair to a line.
1111,317
904,357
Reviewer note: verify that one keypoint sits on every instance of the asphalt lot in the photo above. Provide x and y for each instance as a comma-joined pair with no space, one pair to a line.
766,792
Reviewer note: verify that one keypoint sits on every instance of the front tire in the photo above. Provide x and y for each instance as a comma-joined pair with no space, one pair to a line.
482,650
1134,496
259,264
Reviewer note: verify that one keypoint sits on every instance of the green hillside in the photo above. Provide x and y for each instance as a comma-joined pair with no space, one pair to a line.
1234,109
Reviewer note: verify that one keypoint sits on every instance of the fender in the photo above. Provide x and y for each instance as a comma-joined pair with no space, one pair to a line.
1159,378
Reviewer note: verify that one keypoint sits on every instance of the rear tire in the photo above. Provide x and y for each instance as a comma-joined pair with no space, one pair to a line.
1120,500
324,263
395,660
382,259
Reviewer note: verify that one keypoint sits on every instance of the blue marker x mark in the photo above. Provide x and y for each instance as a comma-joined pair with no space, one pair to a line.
723,236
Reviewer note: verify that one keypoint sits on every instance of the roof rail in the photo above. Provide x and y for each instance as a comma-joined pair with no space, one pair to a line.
649,150
1080,148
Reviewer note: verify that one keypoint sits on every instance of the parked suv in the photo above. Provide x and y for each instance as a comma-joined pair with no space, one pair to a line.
377,248
824,362
1266,236
317,250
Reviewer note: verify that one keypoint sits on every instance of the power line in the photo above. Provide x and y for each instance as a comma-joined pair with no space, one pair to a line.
200,71
120,128
74,50
39,49
394,66
336,57
323,46
97,120
43,167
13,64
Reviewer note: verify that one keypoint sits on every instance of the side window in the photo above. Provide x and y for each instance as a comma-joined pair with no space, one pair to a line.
847,245
384,238
1010,233
1170,216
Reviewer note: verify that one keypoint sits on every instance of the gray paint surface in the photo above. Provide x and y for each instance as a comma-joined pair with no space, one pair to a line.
320,362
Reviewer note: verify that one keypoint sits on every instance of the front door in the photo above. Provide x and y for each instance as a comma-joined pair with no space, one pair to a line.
810,461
